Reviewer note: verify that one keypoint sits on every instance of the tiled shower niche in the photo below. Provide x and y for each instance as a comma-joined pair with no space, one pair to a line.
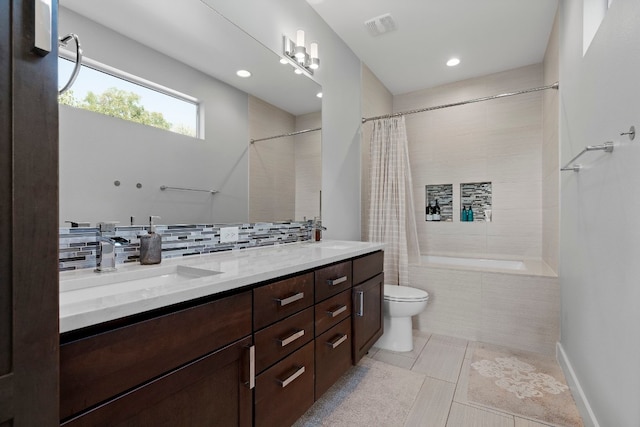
443,193
477,195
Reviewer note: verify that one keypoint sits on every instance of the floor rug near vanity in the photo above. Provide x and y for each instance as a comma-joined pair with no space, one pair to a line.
369,394
525,384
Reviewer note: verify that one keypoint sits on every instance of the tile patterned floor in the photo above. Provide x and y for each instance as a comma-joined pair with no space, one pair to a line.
442,400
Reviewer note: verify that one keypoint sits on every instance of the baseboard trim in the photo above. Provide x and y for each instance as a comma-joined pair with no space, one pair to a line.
588,417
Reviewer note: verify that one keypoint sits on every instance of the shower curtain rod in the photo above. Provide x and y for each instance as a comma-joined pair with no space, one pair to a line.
284,135
555,85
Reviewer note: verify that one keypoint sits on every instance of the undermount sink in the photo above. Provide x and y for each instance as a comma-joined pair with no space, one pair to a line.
76,289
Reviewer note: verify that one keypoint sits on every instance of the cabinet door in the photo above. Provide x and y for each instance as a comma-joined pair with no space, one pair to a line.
367,315
210,391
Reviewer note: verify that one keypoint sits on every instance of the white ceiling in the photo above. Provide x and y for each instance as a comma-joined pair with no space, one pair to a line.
195,34
487,35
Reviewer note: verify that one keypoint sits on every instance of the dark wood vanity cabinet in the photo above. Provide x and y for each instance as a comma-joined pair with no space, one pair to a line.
209,391
368,292
169,363
195,366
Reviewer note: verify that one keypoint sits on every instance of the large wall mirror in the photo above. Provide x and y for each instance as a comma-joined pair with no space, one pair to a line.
113,169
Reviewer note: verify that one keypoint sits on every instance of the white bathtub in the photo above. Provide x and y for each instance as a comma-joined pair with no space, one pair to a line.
480,263
507,302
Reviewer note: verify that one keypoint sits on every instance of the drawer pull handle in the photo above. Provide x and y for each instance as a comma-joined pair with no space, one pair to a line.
336,342
333,282
292,377
338,311
291,338
252,367
360,312
289,300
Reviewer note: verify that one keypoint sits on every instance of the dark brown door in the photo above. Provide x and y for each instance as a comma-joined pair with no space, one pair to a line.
28,222
367,315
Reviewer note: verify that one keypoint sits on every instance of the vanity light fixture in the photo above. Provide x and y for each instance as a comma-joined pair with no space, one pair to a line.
296,54
243,73
453,62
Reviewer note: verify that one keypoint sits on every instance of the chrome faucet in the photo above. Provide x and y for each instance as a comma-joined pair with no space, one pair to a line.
106,250
316,229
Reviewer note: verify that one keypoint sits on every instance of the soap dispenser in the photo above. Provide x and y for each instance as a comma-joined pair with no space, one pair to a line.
151,245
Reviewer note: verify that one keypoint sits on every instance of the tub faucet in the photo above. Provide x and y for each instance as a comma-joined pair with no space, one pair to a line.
106,250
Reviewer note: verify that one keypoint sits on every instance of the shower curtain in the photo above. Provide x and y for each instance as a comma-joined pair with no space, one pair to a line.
391,210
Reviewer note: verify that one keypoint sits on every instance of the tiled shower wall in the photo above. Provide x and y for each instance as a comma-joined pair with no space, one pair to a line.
78,245
498,141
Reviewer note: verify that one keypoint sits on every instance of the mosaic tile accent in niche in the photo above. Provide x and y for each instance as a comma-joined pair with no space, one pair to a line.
78,245
443,193
478,196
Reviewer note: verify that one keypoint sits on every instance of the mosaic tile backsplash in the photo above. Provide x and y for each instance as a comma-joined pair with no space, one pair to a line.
78,245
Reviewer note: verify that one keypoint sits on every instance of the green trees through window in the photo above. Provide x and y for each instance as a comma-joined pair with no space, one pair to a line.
125,105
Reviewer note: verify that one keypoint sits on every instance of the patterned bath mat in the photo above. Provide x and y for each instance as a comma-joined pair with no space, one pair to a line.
369,394
525,384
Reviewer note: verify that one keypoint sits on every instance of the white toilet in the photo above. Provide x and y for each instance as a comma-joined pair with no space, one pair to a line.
400,303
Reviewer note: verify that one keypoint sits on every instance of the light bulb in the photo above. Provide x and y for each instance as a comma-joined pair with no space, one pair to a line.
453,62
297,71
314,50
300,38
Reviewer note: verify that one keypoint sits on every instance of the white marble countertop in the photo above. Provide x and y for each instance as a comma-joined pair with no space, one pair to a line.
88,298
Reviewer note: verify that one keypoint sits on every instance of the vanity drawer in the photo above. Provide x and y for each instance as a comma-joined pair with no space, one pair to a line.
333,355
332,280
285,391
96,368
332,311
278,340
367,266
281,299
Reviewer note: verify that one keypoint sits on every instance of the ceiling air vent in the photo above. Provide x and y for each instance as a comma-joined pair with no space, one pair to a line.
380,24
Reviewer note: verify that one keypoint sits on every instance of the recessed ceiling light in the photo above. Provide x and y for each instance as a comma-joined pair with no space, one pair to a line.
453,62
243,73
319,94
283,61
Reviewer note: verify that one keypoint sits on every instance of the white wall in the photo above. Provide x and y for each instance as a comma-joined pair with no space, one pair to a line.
498,141
599,227
551,153
96,150
339,75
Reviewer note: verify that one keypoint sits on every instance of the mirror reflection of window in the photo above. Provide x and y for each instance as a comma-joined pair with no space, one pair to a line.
108,93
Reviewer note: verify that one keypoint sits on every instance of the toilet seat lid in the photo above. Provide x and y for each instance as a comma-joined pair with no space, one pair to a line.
404,293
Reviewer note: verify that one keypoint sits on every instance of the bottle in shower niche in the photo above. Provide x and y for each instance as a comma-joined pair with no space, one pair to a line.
470,213
436,213
463,214
429,212
151,245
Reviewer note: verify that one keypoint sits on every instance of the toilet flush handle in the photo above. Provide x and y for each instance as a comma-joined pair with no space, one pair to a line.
360,311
